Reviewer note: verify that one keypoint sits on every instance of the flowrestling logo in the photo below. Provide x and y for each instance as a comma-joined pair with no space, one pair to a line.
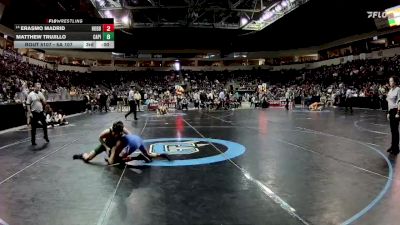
376,14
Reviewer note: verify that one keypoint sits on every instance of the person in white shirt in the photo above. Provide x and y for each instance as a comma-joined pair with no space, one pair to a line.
221,98
61,118
49,116
132,104
253,101
196,98
393,99
292,99
184,103
137,98
287,96
210,96
35,102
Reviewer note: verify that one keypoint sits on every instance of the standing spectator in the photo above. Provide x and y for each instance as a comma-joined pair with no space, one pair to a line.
103,101
348,100
35,104
292,99
287,96
203,98
221,98
253,101
145,97
302,99
196,99
137,98
86,101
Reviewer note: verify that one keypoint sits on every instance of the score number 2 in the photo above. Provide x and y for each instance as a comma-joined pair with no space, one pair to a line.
108,27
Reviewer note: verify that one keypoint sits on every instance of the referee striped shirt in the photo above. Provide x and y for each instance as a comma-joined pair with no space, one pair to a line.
35,101
131,95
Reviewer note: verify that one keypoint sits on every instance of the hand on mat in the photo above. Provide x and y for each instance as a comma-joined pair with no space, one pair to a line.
127,159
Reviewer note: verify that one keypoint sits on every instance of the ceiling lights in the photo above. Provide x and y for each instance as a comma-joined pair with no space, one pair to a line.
275,12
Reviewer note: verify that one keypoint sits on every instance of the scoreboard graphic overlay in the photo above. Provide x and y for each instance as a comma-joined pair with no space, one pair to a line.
393,15
66,33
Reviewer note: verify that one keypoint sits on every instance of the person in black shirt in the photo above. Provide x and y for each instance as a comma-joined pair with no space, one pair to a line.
203,99
103,101
86,102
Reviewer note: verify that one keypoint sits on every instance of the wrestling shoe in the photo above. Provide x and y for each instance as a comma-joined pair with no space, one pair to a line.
394,152
165,156
77,156
142,157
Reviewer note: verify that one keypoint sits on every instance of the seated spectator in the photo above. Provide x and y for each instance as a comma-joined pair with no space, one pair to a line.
60,118
50,119
184,104
316,106
162,109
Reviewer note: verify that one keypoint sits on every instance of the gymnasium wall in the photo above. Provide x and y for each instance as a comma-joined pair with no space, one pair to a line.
15,116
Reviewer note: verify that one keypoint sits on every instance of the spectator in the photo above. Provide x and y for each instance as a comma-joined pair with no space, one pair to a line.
137,98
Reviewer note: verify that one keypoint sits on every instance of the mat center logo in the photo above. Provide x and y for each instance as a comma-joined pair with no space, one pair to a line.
176,148
193,151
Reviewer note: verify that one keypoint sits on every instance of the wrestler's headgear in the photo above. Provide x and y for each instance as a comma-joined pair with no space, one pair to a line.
118,126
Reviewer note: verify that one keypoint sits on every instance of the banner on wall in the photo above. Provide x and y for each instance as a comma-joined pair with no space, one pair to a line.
350,58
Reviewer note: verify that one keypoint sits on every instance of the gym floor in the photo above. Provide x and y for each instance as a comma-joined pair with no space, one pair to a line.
243,167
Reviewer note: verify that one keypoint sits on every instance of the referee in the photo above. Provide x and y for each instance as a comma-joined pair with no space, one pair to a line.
35,102
132,103
393,98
